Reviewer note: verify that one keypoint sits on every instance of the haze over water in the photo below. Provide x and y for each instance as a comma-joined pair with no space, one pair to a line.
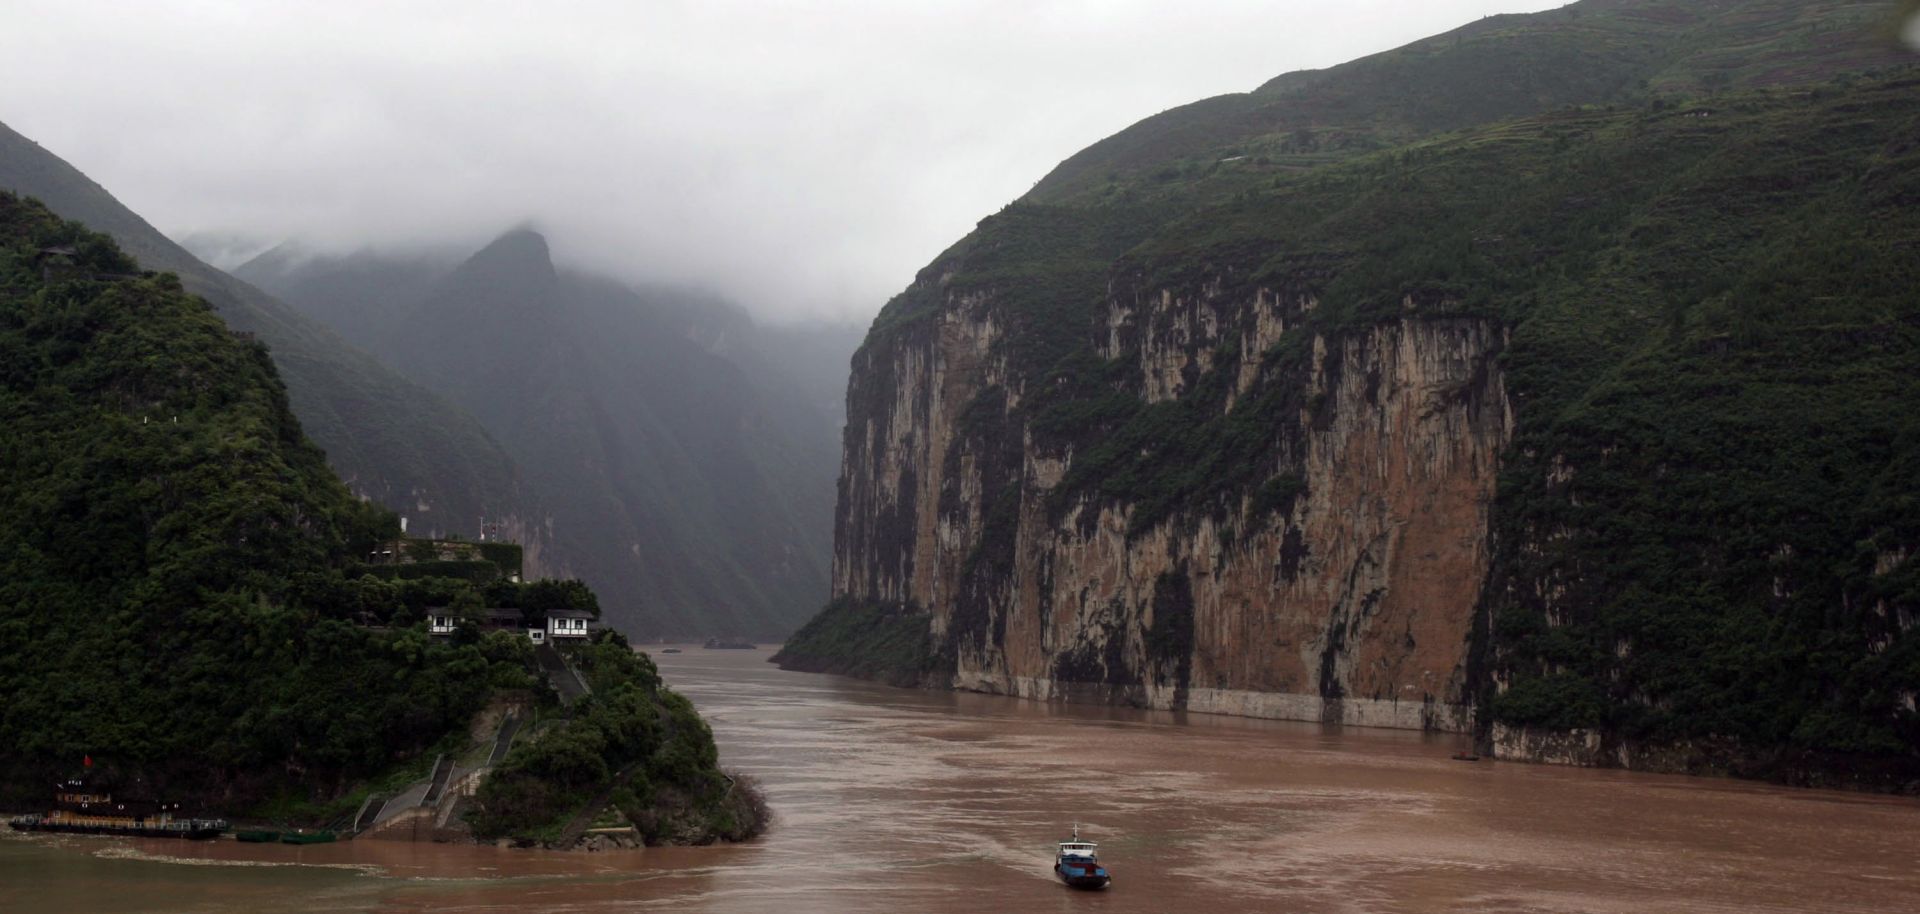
897,800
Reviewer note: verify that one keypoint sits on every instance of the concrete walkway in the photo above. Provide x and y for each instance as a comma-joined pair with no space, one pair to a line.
401,802
442,771
567,682
367,813
509,727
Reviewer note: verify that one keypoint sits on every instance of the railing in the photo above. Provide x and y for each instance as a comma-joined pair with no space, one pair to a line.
442,769
360,820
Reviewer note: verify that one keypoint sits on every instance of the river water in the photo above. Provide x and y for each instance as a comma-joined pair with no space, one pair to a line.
900,800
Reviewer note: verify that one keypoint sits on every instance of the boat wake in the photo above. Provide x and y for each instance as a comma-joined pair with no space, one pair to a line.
125,852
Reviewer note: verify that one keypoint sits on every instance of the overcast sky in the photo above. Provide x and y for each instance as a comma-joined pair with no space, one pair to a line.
803,158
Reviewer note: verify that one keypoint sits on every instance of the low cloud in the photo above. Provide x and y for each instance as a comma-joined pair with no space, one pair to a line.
802,158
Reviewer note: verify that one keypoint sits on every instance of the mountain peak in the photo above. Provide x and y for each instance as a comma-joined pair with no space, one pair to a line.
517,264
521,247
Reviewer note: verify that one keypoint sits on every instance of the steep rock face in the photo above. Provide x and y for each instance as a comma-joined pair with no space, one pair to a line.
1352,602
902,406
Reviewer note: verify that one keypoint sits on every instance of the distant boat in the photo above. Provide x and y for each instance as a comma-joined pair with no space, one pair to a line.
1078,864
716,644
669,650
308,837
1465,757
257,836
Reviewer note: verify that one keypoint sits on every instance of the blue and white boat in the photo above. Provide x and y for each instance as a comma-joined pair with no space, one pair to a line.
1079,863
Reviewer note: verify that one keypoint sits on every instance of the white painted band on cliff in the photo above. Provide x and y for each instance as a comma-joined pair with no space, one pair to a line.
1353,712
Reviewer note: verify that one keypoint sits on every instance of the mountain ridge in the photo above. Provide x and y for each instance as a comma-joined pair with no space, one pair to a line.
390,439
1517,62
688,464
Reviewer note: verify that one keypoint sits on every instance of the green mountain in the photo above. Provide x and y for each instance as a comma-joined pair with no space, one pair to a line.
1591,52
684,449
160,503
1550,379
182,599
389,438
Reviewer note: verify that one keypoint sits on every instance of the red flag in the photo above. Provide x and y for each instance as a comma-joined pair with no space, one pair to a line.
88,761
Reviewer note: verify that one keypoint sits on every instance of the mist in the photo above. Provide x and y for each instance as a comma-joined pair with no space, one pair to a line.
803,160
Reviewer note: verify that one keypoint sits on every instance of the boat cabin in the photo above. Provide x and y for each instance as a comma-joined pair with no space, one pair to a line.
1086,849
75,803
91,809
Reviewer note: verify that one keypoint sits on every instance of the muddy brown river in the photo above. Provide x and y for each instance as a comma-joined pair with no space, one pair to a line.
896,800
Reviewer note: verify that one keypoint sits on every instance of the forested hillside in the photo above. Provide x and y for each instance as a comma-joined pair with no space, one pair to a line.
161,507
1551,378
183,598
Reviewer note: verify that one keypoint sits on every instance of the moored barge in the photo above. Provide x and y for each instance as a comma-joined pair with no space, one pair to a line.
82,810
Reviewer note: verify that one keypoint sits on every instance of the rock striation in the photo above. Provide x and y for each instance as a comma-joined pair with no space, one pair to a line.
1350,603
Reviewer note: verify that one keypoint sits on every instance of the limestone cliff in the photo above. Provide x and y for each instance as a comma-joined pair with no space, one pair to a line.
1348,601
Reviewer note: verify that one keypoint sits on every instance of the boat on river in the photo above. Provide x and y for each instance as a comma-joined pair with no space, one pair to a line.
79,809
1078,864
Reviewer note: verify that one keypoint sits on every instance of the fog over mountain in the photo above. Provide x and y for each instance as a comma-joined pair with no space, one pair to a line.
803,160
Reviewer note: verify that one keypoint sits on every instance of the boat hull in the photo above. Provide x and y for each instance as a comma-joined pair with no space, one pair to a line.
1074,878
196,833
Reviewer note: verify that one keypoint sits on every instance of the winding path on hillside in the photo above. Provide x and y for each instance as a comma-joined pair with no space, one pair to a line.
584,819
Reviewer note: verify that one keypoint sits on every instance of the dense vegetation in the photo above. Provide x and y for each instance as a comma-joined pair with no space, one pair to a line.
632,744
1741,492
1493,69
862,638
182,594
165,520
1697,223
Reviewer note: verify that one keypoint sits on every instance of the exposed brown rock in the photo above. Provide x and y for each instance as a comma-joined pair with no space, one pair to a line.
1355,605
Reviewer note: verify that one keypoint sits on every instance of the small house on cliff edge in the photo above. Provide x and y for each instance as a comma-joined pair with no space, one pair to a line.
554,624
